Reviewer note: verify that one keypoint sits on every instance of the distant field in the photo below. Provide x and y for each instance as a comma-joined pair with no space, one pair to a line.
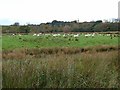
29,41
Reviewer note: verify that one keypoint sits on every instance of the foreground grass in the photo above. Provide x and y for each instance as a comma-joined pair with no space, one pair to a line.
62,70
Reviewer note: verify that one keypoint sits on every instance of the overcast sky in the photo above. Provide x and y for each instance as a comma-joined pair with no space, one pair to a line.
42,11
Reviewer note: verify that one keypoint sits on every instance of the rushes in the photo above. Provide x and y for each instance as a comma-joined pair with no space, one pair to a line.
80,70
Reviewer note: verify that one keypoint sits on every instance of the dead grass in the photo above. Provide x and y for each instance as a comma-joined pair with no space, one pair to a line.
39,52
61,70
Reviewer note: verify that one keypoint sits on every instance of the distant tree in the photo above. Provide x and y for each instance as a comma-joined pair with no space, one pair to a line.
75,21
99,21
66,28
101,27
61,26
87,27
24,29
75,27
16,24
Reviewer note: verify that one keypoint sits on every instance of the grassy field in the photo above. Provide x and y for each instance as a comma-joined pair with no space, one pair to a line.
60,62
29,41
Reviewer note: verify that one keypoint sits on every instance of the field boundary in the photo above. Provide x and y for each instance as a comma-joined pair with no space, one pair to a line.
38,52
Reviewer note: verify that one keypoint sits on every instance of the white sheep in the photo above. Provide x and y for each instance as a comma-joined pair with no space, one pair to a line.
34,34
90,35
93,34
87,35
38,34
77,35
13,34
20,35
54,35
108,35
64,35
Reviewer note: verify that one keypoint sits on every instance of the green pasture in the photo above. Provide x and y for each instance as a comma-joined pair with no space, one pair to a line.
30,41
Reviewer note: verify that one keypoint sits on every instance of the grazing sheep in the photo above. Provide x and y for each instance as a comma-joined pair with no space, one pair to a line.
54,35
39,34
93,35
34,34
20,35
90,35
13,34
108,35
87,35
64,35
77,35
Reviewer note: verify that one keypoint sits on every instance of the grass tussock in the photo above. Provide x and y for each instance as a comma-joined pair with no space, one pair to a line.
80,70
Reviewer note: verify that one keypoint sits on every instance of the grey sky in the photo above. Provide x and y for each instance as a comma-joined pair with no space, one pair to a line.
42,11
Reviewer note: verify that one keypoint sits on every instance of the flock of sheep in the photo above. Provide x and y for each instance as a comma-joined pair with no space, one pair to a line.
77,35
72,35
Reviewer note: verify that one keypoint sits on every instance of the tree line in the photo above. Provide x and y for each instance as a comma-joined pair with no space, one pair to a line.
61,26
